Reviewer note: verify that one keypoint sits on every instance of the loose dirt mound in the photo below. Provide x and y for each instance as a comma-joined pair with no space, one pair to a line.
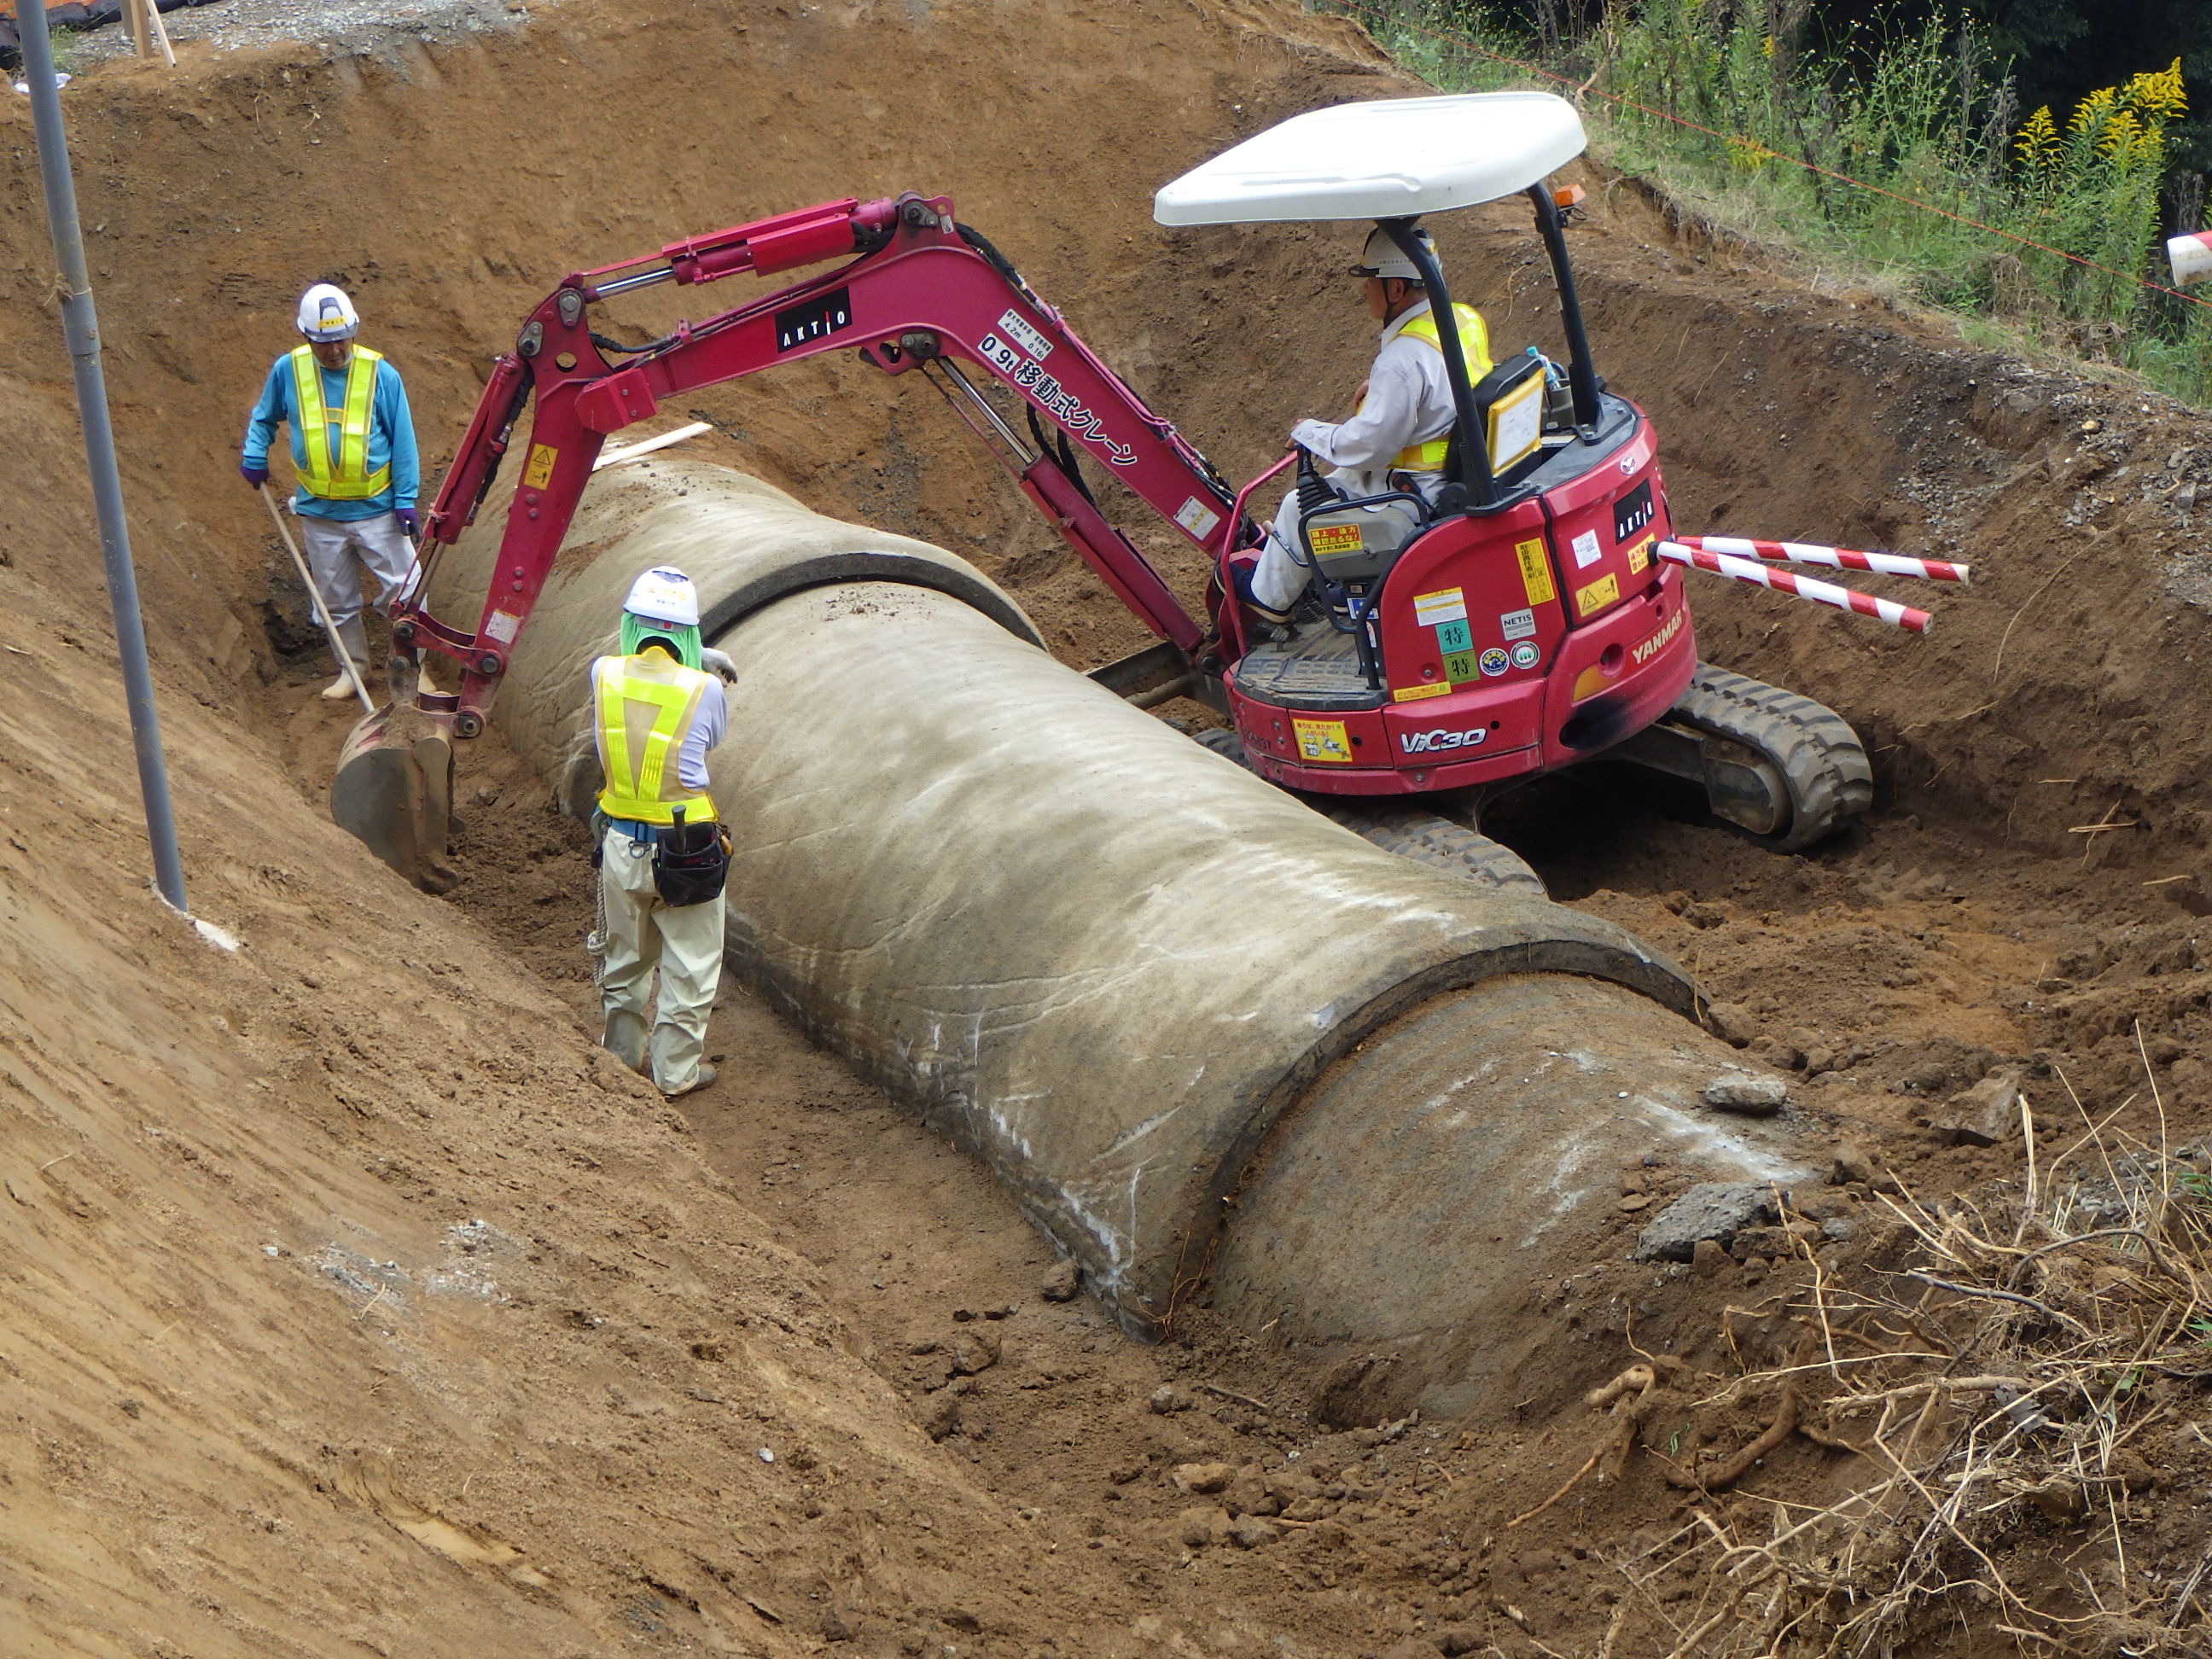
503,1384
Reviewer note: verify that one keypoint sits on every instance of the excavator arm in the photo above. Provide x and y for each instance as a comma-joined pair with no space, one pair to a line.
923,294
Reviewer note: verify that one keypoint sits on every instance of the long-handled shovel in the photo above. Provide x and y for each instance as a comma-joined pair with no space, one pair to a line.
394,789
315,595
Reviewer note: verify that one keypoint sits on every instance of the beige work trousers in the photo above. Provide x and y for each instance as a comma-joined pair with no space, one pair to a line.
683,943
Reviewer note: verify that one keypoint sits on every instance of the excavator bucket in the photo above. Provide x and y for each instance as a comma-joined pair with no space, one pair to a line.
394,790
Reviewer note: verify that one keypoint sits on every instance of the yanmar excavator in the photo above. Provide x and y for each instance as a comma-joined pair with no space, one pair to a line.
1515,622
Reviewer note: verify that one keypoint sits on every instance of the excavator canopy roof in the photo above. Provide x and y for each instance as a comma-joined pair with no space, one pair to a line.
1385,160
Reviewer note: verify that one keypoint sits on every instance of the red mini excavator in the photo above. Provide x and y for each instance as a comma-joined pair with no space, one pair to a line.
1514,620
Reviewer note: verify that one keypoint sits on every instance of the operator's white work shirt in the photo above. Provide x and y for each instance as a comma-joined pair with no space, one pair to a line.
1408,402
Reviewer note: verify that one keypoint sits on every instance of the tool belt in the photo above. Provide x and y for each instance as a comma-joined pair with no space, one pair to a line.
690,862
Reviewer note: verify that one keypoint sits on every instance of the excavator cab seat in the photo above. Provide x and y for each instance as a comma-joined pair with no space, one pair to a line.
1355,543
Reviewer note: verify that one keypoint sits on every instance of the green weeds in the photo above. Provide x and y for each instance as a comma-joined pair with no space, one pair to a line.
1807,141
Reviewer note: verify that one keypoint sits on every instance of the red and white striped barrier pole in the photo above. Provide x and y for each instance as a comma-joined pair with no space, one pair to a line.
1835,558
1804,587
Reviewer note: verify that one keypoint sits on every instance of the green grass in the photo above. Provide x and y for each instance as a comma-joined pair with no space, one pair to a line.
1921,113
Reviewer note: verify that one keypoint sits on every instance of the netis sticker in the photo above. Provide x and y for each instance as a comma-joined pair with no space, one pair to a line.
1192,515
1446,605
1517,624
1584,548
1014,323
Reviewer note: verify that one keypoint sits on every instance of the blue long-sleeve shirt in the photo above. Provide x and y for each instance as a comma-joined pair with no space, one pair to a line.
391,439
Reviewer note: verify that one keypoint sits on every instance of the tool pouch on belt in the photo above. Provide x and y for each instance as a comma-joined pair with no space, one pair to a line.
690,862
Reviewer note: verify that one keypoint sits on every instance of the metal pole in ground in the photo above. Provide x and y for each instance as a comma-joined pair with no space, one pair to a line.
80,329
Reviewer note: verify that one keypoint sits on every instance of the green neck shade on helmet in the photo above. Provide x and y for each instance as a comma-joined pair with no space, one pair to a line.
684,636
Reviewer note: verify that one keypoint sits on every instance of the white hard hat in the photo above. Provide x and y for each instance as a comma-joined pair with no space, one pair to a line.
326,313
1381,257
666,595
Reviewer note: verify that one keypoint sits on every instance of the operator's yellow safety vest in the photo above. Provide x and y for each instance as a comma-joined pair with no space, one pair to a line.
1474,346
642,706
339,473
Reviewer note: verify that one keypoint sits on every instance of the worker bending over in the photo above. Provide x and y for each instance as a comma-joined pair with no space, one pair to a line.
656,713
1397,439
353,455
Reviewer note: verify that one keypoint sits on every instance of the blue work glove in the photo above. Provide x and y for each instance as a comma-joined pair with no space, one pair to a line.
408,521
255,476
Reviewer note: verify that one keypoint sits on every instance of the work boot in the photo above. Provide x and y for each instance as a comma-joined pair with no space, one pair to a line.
354,637
705,1075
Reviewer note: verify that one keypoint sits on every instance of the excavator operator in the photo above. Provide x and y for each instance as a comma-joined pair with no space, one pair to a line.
1397,439
657,709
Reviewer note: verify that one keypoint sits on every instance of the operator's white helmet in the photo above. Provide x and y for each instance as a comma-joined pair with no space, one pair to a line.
664,594
326,313
1383,258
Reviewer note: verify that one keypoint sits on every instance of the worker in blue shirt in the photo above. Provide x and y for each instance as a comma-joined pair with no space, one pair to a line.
353,454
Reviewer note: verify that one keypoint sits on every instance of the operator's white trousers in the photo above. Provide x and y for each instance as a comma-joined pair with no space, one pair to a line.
381,544
1282,573
685,942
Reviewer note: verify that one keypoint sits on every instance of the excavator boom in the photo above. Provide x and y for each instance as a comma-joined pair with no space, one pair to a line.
923,293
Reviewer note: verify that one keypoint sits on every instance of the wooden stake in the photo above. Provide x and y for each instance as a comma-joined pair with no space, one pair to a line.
161,31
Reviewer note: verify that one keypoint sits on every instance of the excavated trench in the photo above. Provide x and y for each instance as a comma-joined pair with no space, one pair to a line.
2028,888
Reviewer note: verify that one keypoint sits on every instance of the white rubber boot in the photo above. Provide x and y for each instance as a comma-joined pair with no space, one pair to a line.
354,637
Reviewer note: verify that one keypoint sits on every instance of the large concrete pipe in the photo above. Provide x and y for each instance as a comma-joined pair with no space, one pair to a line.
1213,1043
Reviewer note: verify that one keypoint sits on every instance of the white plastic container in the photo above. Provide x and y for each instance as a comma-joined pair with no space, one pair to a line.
2191,258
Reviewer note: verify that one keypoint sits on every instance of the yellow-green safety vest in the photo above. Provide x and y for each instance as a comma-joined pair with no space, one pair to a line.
642,706
1474,346
343,476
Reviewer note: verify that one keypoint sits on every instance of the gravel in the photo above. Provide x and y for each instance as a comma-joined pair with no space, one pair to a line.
358,28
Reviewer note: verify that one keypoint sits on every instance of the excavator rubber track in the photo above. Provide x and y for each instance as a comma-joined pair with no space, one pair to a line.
1820,759
1422,836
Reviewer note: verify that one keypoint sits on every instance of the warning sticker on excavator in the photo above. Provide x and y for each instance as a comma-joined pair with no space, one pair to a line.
1598,595
1446,604
539,472
1328,540
1415,693
1535,572
1639,556
1323,740
504,626
1194,515
1035,343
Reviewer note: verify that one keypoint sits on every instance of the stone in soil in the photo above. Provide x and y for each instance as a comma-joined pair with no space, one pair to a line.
1206,1478
1717,1210
1751,1095
1981,1115
1061,1281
